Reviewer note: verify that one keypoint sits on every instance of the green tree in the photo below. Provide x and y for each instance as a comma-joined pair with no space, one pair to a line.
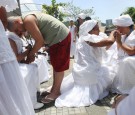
53,10
131,12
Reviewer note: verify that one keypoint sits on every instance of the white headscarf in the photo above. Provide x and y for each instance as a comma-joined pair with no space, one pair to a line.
86,27
82,16
123,21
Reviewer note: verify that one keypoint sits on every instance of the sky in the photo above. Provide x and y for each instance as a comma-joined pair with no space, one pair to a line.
104,9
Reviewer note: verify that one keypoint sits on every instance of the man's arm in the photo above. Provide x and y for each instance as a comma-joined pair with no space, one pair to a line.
31,26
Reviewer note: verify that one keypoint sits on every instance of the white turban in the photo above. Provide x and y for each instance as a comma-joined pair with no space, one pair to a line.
82,16
86,27
123,21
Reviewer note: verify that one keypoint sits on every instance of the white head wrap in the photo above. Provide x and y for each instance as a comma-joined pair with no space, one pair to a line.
82,16
86,27
123,21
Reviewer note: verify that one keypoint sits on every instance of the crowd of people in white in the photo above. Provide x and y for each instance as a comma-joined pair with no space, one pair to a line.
102,64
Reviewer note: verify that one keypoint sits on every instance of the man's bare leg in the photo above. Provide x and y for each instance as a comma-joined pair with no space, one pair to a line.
57,80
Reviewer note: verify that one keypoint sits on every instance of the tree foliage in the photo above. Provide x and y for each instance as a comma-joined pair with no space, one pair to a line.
131,12
53,10
73,11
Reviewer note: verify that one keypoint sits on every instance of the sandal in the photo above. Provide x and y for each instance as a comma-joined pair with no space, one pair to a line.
48,100
44,94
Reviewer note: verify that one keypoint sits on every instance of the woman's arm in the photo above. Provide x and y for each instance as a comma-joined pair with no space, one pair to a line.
21,56
3,16
128,49
105,42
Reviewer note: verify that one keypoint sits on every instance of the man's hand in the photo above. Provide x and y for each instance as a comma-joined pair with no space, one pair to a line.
30,58
29,47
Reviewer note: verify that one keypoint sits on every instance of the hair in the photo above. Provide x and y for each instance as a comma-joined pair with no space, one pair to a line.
11,21
131,27
87,18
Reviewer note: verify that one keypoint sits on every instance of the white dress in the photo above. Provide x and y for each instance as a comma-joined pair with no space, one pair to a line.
73,44
126,106
28,71
89,79
40,61
14,96
125,73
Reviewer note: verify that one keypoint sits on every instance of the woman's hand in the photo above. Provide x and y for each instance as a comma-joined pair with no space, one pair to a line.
117,36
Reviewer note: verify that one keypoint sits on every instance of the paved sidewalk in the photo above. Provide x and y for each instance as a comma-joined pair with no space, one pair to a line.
99,108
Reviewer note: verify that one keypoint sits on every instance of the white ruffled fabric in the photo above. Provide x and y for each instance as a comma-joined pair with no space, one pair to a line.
89,79
10,5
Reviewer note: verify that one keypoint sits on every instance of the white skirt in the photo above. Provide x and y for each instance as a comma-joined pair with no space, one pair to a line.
125,76
14,96
74,94
43,68
30,75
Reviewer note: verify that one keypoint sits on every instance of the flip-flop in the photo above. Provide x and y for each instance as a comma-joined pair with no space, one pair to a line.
42,95
47,100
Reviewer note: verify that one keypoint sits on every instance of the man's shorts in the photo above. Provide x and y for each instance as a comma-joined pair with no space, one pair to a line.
60,54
